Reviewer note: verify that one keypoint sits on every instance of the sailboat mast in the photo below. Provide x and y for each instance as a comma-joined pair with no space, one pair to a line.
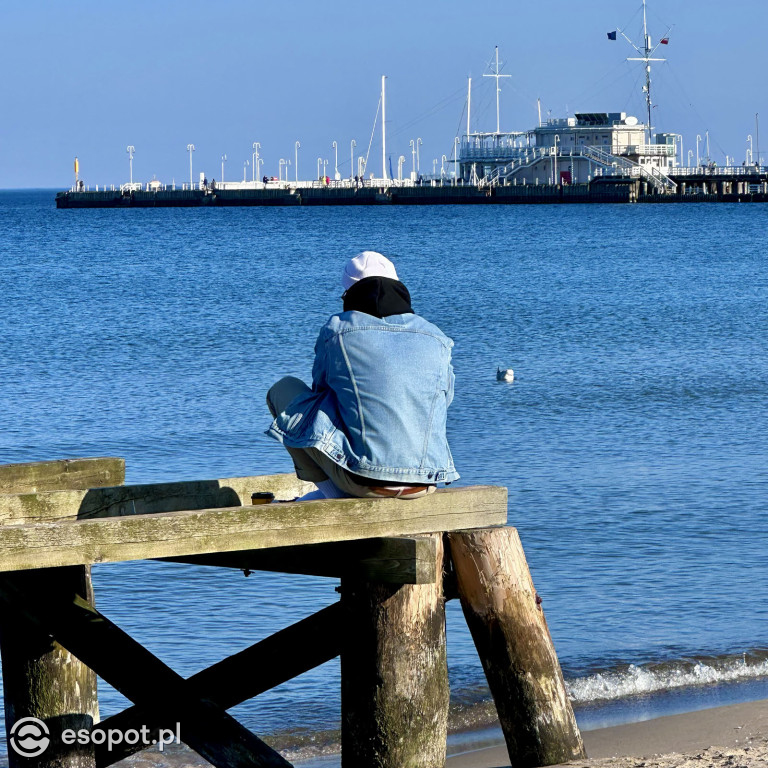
469,102
383,129
498,90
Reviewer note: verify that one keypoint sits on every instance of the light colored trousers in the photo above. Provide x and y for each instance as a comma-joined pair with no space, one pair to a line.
311,464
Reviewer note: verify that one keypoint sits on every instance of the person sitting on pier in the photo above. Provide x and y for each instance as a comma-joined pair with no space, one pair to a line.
374,422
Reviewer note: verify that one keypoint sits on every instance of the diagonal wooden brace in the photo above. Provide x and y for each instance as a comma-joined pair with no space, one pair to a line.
270,662
139,675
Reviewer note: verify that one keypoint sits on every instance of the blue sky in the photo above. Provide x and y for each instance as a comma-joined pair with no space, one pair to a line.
89,78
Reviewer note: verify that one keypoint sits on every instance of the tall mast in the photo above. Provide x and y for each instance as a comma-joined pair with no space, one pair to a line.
469,102
498,88
646,56
383,129
647,48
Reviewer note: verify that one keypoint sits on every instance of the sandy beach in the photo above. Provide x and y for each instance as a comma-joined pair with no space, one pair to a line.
735,736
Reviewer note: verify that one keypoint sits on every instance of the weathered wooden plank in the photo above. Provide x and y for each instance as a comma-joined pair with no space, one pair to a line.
174,534
270,662
139,675
394,677
393,560
512,638
61,474
26,506
42,679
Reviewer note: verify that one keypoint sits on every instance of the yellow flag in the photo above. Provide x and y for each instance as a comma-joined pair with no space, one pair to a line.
77,166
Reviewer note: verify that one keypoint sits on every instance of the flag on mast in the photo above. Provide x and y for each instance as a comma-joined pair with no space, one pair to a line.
612,35
664,41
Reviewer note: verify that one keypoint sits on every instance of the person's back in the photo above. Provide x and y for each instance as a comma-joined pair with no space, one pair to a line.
382,382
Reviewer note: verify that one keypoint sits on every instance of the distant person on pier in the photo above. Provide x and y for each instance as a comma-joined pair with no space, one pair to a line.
374,422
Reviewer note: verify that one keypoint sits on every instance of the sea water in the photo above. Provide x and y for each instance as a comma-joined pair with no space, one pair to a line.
632,440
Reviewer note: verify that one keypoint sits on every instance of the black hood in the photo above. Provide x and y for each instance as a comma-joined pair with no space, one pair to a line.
378,296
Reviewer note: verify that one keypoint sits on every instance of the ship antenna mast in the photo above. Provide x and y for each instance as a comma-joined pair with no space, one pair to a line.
645,54
498,88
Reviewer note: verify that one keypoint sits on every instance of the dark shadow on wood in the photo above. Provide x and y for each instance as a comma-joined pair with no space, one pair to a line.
156,498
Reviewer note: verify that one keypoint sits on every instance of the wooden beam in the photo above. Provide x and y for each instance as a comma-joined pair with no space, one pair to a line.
174,534
140,676
27,506
40,678
61,474
394,677
512,638
392,560
270,662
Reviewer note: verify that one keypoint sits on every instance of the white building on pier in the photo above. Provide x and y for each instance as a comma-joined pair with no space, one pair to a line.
572,150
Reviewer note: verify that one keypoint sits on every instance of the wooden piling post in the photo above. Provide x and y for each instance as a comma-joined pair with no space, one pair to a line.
510,632
40,678
394,677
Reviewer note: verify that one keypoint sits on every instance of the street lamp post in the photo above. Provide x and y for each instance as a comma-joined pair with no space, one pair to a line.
255,158
223,160
259,163
413,154
352,146
434,166
400,161
325,168
443,161
319,163
361,167
296,164
698,139
335,160
419,142
280,169
245,169
750,153
554,161
690,157
190,149
130,149
706,133
456,158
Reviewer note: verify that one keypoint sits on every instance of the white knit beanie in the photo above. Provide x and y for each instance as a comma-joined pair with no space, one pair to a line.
367,264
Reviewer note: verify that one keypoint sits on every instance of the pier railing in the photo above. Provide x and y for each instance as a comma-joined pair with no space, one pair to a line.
398,562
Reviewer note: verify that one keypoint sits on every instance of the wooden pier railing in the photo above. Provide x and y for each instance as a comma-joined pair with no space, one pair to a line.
398,562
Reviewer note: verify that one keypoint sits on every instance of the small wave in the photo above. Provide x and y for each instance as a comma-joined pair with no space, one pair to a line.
633,679
472,707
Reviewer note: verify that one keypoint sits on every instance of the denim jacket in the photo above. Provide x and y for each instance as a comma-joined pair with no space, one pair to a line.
381,388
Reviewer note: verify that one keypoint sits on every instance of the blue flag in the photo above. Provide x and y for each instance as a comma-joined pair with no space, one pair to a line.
611,35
